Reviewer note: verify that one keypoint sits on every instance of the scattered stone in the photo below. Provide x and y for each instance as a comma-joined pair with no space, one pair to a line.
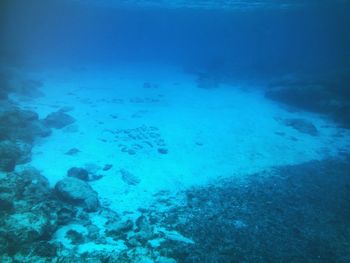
141,139
107,167
131,152
95,177
129,178
67,108
72,151
77,192
58,119
79,173
163,150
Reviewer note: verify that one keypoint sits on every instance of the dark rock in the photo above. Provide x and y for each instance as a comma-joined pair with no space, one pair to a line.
129,178
17,124
27,227
5,205
72,151
77,192
302,126
12,154
118,228
58,119
107,167
44,249
308,97
75,237
65,215
327,94
163,150
28,185
79,173
95,177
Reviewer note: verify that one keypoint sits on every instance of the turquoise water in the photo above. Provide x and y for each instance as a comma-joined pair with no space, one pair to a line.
174,131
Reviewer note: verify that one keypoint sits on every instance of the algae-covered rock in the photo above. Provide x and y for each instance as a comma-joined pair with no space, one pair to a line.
12,154
17,124
77,192
58,119
28,186
27,227
79,173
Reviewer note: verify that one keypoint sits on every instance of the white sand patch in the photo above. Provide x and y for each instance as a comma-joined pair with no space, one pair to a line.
209,134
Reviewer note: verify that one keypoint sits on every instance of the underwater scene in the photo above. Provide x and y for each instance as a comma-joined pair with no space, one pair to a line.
209,131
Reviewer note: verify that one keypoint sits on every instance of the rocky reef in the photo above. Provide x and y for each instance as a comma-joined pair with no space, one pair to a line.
293,213
327,95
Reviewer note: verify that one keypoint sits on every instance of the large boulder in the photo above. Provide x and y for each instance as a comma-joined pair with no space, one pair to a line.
12,154
27,227
58,119
29,212
28,185
79,173
17,124
77,192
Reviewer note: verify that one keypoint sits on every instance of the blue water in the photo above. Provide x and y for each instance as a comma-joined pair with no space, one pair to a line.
174,131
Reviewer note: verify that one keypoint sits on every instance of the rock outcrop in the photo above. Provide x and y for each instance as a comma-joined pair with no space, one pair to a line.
77,192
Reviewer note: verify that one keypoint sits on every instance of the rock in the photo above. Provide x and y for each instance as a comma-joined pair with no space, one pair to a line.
328,95
29,185
76,237
79,173
302,126
58,119
77,192
65,215
17,124
163,150
145,231
12,154
107,167
129,178
301,94
72,151
27,227
6,205
44,249
118,228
